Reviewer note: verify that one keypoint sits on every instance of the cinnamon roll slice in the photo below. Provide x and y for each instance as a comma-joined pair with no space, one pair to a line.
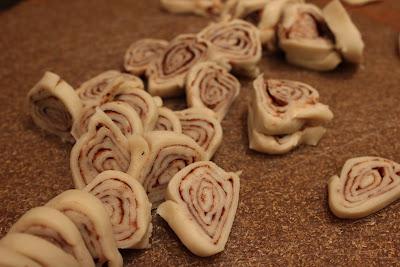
38,250
210,85
201,205
127,205
237,42
10,258
284,107
166,75
169,153
53,226
102,148
347,37
198,7
141,53
168,121
90,217
201,125
54,106
365,185
305,38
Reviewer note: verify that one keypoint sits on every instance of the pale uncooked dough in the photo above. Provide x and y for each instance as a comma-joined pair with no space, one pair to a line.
168,121
10,258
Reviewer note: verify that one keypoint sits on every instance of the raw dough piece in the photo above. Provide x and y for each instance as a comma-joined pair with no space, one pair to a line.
54,106
237,42
167,121
365,185
93,222
283,107
141,53
127,205
10,258
201,205
210,85
359,2
38,250
166,75
102,148
53,226
238,9
201,125
199,7
347,37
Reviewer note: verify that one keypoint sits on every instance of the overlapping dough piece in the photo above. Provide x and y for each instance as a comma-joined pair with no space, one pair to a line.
167,121
167,74
54,106
199,7
10,258
127,205
201,204
141,53
53,226
102,148
365,185
210,85
237,42
202,126
38,250
239,9
90,217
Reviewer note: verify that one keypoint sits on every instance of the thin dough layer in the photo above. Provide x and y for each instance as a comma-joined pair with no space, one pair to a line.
359,2
365,185
10,258
168,121
54,106
127,205
199,7
201,205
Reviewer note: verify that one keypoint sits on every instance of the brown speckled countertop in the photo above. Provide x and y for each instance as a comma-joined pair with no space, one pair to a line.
283,217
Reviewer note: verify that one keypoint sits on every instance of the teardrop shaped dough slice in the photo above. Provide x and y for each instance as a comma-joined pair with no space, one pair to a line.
54,106
90,217
127,205
167,121
53,226
10,258
202,126
38,250
347,36
366,185
201,205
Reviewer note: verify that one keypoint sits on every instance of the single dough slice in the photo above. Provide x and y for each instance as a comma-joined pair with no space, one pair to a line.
365,185
238,9
281,144
199,7
359,2
168,121
347,37
237,42
10,258
201,125
141,53
127,205
166,75
201,205
327,63
38,250
53,226
284,107
103,147
169,153
90,217
54,106
210,85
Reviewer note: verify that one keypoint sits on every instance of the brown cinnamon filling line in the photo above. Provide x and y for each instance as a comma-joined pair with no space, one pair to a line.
145,54
205,131
163,124
137,102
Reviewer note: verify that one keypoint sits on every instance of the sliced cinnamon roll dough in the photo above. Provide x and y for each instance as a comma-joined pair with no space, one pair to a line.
239,9
166,75
169,153
201,125
201,205
347,37
199,7
90,217
210,85
327,63
284,107
38,250
102,148
168,121
10,258
359,2
53,226
127,205
141,53
54,106
237,42
365,185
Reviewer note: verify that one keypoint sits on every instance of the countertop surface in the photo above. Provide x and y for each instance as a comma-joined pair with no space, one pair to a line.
283,216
